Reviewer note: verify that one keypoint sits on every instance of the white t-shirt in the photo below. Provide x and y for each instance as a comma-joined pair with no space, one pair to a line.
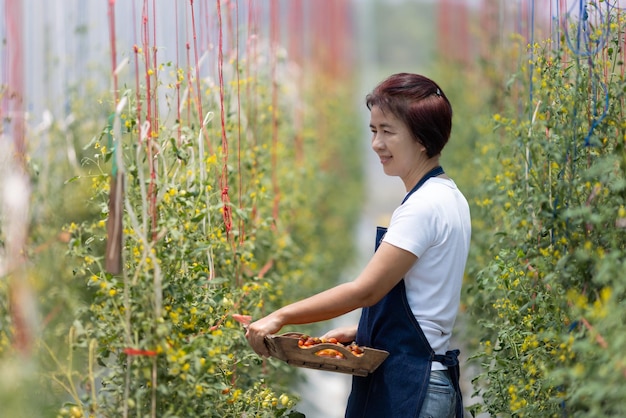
434,224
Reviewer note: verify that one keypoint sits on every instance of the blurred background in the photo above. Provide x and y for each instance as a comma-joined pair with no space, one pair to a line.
274,93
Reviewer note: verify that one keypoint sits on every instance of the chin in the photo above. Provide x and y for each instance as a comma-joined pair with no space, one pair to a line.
389,172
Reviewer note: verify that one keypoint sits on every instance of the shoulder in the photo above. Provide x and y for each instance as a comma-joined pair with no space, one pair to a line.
438,204
441,194
434,194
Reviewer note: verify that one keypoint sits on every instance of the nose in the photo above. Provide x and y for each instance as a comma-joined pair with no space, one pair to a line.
377,143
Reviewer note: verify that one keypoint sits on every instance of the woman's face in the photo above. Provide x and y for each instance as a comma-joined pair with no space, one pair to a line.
400,154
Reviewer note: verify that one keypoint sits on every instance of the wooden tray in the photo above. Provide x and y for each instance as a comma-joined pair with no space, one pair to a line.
285,347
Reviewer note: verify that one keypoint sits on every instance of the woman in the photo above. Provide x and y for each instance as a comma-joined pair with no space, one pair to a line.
410,289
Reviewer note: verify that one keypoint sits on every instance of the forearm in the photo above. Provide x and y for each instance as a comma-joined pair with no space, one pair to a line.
326,305
322,306
382,273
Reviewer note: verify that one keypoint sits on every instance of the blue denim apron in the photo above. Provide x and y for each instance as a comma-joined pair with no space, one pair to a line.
397,388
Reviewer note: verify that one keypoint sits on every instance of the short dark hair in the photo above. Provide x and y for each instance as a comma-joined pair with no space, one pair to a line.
420,103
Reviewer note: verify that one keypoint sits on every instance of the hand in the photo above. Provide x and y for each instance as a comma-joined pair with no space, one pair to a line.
258,330
343,334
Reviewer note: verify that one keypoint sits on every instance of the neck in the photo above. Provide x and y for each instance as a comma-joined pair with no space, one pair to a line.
420,172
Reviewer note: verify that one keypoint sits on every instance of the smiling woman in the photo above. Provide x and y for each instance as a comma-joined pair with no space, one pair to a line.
420,105
393,143
410,289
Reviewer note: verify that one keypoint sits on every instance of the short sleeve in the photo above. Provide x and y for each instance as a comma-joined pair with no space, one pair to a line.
412,227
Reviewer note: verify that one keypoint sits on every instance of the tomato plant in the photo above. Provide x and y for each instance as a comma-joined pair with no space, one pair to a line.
547,302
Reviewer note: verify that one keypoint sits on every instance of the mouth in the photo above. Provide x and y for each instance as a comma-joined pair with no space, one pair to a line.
384,159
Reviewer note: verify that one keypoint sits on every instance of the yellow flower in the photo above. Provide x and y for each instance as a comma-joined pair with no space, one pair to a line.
212,160
579,300
579,369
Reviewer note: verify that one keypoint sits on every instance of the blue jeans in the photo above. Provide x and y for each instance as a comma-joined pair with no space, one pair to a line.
440,399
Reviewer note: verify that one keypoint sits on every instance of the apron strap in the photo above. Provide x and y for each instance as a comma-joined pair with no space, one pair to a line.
437,171
451,360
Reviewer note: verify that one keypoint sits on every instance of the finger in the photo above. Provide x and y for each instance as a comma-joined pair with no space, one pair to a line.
257,343
245,320
333,334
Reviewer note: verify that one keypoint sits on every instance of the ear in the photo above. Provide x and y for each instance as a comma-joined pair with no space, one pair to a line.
422,148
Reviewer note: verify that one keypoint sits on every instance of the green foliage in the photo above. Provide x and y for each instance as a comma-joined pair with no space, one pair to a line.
239,219
549,305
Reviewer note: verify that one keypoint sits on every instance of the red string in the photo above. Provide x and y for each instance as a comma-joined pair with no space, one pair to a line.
180,125
251,98
251,70
19,290
152,119
224,178
138,95
145,41
227,210
13,103
296,47
274,38
189,85
136,51
137,352
241,222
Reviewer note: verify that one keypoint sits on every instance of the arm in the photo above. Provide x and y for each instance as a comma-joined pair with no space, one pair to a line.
386,268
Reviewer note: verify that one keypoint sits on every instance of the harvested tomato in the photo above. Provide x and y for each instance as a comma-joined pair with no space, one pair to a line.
306,341
329,352
311,341
355,349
